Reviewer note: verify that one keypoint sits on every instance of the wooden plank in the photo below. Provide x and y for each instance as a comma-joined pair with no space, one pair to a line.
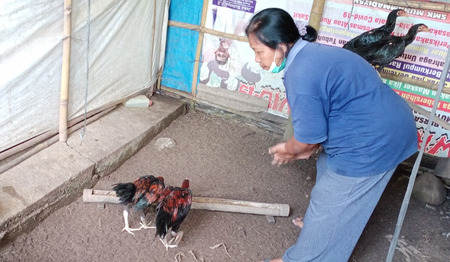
204,203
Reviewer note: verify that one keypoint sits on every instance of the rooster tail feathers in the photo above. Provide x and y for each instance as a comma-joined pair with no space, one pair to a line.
162,223
125,192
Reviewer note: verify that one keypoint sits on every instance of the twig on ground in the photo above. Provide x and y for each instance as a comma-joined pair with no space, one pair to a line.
195,257
224,248
178,256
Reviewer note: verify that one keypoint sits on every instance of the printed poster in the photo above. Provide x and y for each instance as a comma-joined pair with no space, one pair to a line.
230,64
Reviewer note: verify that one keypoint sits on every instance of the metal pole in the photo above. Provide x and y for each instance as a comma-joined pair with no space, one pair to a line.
412,179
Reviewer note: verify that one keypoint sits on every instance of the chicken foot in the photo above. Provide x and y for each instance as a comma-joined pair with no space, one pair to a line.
144,224
172,239
125,218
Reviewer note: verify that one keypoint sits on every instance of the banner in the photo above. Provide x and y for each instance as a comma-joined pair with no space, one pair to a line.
423,59
229,64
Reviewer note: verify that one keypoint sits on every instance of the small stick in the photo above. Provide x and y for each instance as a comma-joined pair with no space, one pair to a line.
223,246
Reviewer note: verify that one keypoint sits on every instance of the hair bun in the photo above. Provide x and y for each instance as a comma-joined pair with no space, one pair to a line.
301,27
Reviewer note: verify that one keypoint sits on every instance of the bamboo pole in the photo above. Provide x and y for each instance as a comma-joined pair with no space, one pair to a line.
443,7
153,42
161,67
199,49
207,31
205,203
65,72
412,81
316,13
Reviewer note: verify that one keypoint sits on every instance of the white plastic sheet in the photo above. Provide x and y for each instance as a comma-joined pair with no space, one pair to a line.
126,50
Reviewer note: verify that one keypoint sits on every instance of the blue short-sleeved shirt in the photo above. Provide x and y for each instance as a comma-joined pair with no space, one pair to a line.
338,100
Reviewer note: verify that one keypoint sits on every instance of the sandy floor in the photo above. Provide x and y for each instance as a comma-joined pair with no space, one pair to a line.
224,159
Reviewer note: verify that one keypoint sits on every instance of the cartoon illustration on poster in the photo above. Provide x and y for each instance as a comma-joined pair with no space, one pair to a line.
238,71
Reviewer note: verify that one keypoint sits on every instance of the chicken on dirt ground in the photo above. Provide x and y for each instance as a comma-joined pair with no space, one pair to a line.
140,195
171,212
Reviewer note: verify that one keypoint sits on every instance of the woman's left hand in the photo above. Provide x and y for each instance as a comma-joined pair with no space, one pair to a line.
281,156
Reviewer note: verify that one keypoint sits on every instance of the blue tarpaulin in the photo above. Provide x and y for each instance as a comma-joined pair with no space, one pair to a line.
181,45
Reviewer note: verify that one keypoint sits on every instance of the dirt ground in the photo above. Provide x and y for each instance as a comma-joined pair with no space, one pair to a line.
224,158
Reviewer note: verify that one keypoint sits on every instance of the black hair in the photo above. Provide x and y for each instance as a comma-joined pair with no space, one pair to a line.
273,26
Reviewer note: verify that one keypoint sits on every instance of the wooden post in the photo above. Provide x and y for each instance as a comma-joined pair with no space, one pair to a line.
65,72
205,203
199,49
316,13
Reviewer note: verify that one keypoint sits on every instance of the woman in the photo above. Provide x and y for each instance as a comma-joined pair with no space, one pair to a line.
338,102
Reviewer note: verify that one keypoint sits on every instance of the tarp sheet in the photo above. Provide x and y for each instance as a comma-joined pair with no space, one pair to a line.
181,45
126,50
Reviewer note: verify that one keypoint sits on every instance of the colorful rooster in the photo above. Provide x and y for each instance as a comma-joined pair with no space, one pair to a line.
140,194
174,205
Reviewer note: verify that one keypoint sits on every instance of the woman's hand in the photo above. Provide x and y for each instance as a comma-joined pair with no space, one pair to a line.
279,154
283,153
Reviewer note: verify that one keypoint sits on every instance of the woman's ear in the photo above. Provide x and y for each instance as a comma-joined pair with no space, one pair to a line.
283,48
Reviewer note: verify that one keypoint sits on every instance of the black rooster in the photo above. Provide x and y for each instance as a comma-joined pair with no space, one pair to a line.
140,194
375,34
174,205
381,53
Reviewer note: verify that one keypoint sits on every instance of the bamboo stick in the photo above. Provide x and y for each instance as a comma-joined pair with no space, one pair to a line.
153,40
444,7
207,31
199,49
316,13
426,113
204,203
161,67
411,81
65,72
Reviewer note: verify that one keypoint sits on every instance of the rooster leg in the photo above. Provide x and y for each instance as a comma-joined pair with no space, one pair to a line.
144,224
125,218
172,239
176,238
164,241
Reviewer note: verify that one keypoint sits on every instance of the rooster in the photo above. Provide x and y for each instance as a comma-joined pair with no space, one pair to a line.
375,34
140,194
174,205
381,53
